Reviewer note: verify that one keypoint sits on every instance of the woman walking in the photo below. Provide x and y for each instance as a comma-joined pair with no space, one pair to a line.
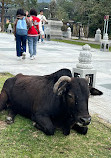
20,31
33,33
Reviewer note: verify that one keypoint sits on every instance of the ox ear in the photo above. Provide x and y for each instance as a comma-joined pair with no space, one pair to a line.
94,91
62,88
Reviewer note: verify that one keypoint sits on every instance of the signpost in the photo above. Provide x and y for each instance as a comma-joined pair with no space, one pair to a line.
105,42
106,19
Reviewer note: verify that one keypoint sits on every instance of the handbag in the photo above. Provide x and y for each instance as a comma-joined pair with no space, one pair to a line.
36,27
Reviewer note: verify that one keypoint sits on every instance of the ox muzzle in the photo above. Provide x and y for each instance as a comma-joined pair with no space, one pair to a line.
83,121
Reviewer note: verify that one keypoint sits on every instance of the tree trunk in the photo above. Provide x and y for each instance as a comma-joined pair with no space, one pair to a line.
2,16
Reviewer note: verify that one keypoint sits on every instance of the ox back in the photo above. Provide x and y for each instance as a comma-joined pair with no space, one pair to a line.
26,93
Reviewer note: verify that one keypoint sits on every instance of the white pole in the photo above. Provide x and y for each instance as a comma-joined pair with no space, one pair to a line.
104,26
107,26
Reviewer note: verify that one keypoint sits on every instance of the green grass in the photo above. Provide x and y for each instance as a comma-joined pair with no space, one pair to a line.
3,77
22,140
76,42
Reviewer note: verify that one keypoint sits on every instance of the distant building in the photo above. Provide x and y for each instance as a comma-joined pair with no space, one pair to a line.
45,1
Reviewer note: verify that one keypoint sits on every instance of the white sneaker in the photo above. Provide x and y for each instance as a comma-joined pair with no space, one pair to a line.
19,58
23,55
32,58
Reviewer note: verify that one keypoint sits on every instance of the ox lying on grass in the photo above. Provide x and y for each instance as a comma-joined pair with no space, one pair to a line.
55,100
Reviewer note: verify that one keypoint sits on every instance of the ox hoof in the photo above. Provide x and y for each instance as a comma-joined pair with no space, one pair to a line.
81,130
9,120
66,132
49,133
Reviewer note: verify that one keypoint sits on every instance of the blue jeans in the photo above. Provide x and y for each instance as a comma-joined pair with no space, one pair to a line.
41,36
32,43
20,44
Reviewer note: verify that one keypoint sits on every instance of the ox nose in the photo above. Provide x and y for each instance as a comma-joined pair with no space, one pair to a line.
85,121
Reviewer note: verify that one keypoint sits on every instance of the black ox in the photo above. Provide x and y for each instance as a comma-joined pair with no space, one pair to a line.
55,100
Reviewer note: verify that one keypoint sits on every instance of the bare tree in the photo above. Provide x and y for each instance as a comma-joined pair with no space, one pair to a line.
3,4
2,16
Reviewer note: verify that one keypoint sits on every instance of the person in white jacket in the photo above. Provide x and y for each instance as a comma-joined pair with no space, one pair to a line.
43,21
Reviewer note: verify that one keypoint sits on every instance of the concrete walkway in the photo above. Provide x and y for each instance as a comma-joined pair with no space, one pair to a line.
53,56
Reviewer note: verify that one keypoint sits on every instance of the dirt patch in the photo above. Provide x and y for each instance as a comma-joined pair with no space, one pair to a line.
2,125
108,148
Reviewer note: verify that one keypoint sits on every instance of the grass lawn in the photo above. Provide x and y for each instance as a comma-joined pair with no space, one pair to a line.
22,140
96,46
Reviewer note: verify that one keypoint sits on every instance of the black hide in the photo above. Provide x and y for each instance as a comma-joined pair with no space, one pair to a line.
33,97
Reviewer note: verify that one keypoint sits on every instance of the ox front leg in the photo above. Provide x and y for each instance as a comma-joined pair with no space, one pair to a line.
3,100
81,130
44,124
66,128
11,116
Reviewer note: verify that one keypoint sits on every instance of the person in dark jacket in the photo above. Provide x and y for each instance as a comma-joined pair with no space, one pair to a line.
21,38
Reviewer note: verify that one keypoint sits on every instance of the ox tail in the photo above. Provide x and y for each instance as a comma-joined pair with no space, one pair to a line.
3,100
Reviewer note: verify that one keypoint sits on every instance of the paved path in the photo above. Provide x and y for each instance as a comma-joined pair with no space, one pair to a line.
53,56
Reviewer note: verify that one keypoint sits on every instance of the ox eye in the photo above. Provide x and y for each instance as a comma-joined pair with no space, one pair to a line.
70,96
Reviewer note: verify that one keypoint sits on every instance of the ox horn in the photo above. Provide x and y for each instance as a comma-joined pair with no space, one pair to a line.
61,79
